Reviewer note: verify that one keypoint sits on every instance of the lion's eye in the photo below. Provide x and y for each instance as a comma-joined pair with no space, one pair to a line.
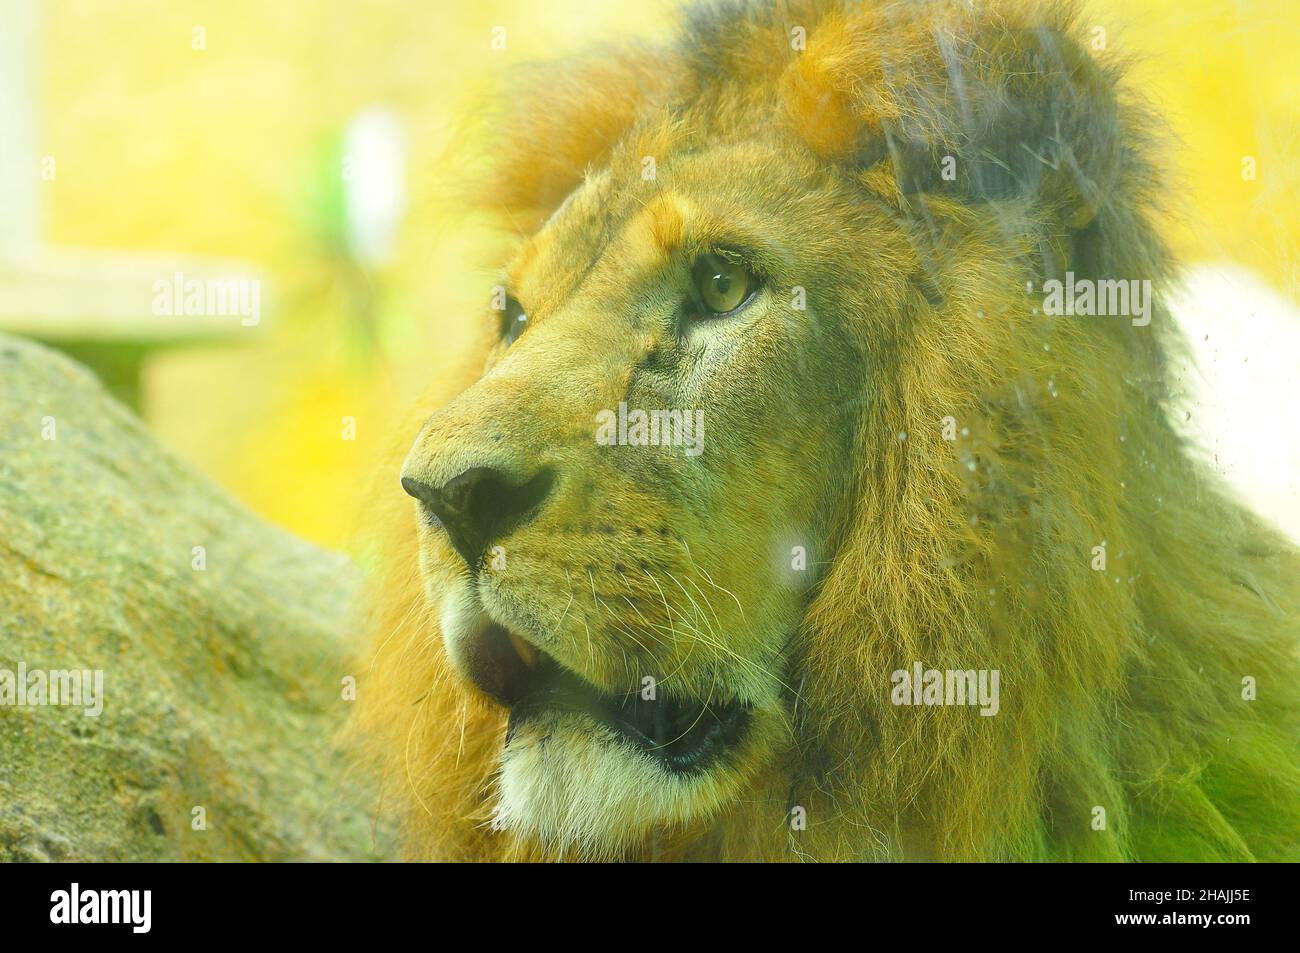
513,321
721,285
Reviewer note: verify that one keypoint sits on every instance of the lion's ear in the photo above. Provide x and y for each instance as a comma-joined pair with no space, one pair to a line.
559,119
1014,113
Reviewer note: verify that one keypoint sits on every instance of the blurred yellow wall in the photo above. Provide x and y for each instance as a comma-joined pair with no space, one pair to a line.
226,150
1224,74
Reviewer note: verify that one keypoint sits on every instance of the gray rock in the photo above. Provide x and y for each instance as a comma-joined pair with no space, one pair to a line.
222,686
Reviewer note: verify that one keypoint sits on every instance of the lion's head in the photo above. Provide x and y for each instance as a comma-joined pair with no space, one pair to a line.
772,413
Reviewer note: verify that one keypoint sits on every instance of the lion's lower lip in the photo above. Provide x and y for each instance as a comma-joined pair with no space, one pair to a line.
682,736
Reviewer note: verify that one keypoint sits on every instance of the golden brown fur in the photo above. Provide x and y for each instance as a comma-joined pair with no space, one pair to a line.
1121,689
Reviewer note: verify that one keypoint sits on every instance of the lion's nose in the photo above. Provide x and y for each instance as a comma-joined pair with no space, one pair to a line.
481,505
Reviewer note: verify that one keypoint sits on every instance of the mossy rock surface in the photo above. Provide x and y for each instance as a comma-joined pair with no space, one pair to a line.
223,686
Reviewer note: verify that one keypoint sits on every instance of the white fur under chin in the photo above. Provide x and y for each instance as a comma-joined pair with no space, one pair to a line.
573,785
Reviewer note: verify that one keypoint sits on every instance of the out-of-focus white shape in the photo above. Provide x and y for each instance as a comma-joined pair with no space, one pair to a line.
374,184
1242,385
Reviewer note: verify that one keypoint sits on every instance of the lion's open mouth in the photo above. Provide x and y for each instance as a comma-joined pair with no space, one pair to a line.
682,735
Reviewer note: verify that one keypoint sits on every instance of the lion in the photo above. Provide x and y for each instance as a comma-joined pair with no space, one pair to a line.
815,241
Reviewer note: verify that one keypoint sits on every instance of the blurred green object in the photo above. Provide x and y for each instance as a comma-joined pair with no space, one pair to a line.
354,208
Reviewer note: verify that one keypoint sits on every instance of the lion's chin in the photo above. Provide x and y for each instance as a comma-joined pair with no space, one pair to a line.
582,791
